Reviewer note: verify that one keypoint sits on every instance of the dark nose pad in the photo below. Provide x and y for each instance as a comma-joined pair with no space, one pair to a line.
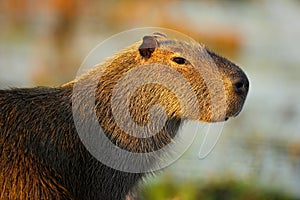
241,86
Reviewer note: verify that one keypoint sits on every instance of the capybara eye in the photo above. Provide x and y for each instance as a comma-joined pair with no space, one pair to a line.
179,60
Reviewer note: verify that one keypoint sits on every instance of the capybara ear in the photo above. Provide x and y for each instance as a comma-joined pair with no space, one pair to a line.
148,46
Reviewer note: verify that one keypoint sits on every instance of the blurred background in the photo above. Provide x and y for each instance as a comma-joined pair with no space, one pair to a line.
258,154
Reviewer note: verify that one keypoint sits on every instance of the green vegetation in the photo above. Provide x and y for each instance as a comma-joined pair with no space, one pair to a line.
168,189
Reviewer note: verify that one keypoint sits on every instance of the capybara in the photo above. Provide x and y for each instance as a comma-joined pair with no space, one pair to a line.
42,155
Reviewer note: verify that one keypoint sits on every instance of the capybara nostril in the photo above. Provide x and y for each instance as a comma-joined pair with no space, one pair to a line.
241,86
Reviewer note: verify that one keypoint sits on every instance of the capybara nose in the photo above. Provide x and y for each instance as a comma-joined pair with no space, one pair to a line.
241,85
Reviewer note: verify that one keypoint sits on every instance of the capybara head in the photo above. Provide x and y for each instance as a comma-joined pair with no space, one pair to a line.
211,77
145,91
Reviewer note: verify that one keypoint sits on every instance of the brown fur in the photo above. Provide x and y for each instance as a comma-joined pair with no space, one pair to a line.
42,156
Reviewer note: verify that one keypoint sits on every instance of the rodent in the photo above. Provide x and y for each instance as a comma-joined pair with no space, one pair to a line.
42,156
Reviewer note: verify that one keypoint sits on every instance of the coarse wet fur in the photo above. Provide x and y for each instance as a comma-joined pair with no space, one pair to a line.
42,155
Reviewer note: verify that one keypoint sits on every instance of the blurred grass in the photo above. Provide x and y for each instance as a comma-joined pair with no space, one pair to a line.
170,189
